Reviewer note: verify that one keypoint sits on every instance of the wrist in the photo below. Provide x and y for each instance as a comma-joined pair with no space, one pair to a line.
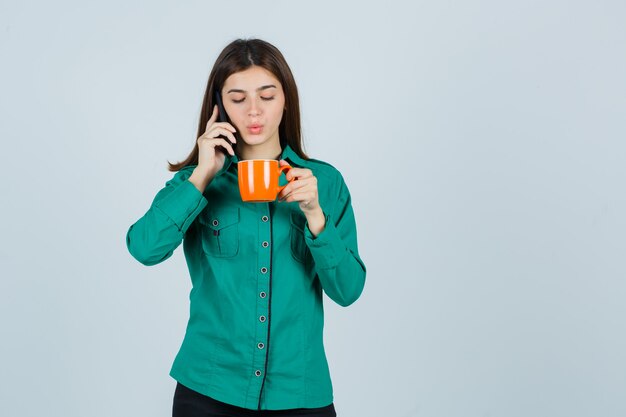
316,221
205,172
201,177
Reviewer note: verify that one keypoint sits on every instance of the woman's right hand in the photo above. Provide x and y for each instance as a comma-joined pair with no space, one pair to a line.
211,157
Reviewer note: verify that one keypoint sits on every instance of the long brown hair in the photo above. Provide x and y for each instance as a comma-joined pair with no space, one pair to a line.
240,55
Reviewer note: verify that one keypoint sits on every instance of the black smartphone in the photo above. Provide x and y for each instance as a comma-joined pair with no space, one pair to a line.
223,117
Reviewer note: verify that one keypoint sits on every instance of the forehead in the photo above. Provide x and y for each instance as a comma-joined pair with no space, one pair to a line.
251,79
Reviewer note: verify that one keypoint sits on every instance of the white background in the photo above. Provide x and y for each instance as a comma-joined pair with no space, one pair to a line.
483,143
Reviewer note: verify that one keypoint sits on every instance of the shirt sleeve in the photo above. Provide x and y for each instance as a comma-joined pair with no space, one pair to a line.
335,251
154,237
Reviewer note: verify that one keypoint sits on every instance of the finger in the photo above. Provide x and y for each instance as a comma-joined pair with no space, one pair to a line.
224,144
213,142
299,173
300,196
226,125
213,117
292,187
216,131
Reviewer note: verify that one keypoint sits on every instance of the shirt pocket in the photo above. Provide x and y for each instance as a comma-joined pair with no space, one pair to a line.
220,232
299,249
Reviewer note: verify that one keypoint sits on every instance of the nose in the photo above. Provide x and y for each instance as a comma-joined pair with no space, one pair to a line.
255,109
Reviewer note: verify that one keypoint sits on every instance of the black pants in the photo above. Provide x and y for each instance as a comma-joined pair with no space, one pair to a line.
189,403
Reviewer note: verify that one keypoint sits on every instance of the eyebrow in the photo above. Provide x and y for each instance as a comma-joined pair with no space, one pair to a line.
236,90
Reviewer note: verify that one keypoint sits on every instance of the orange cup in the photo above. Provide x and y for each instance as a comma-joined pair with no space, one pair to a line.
258,179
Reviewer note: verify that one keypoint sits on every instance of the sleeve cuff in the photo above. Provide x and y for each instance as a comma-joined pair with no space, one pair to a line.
183,205
327,247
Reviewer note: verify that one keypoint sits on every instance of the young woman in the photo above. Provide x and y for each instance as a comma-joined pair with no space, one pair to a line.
254,340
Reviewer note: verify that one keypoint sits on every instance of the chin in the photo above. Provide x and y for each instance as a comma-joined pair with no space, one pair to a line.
255,140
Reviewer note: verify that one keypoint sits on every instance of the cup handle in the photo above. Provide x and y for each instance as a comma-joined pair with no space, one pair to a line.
284,168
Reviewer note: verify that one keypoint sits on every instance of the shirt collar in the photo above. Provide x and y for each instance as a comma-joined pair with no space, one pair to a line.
287,154
291,156
227,162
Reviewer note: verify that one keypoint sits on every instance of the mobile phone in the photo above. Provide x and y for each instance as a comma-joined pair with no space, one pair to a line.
223,117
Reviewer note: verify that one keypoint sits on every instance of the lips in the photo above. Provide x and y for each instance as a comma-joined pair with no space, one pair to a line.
255,128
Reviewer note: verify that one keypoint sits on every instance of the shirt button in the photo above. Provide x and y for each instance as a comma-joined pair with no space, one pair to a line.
264,270
265,218
215,222
265,244
257,372
262,319
262,295
260,345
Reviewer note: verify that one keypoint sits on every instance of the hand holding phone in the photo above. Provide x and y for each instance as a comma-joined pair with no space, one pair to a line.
218,141
223,117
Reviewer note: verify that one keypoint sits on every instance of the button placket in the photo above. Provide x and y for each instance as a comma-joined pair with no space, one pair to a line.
262,303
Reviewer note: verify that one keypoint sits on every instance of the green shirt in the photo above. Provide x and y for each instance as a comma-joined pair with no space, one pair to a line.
255,333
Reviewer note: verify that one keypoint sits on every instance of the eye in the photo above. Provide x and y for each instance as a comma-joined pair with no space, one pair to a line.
238,101
267,98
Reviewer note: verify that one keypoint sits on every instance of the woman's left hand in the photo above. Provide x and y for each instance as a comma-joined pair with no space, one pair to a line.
303,189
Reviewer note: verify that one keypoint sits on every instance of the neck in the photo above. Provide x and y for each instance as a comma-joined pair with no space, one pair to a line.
267,150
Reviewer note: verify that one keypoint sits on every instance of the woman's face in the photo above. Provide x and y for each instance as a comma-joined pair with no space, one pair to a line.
254,101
